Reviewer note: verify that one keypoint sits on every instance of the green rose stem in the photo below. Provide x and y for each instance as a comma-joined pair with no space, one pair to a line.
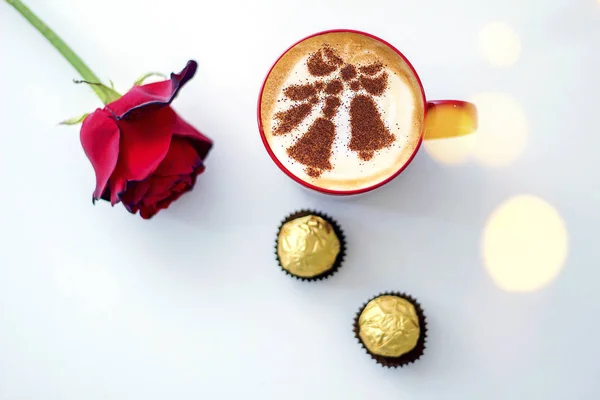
105,93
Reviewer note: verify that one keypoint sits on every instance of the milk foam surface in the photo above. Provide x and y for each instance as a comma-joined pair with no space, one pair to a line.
400,107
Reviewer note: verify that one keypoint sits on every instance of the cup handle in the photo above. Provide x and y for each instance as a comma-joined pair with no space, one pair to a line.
449,118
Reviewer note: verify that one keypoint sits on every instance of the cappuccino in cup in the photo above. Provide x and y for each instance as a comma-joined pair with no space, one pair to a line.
342,112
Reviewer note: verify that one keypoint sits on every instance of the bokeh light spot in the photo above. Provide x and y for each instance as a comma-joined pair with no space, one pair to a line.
524,244
503,129
452,151
499,44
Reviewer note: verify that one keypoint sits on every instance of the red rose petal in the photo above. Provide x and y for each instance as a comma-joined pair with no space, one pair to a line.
181,159
134,194
198,171
201,143
100,141
144,144
180,189
148,212
166,189
160,185
140,191
117,187
157,94
187,179
152,206
161,205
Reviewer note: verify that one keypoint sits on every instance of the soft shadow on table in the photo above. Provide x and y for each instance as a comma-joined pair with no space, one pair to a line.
429,214
421,233
425,189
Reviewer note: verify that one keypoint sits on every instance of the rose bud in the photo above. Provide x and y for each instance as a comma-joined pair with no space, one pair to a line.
144,154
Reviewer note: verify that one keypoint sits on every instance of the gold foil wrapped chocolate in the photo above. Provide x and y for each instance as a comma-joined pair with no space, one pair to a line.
389,326
307,246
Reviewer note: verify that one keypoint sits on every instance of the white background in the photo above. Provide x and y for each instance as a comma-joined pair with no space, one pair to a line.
96,303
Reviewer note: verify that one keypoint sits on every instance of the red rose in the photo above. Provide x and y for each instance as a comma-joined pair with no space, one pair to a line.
143,153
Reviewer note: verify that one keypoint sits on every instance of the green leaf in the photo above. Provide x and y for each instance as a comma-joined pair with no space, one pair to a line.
75,120
109,94
112,84
148,75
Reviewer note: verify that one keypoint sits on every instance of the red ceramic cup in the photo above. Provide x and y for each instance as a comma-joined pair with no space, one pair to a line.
442,119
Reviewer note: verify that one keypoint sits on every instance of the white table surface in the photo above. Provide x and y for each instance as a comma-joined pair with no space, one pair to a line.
497,237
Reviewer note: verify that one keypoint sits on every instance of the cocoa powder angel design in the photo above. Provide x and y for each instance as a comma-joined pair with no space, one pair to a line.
368,131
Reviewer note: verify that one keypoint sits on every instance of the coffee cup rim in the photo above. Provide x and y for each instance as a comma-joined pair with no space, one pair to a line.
333,191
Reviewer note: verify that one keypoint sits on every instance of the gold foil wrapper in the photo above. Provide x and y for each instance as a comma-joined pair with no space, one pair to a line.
389,326
307,246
